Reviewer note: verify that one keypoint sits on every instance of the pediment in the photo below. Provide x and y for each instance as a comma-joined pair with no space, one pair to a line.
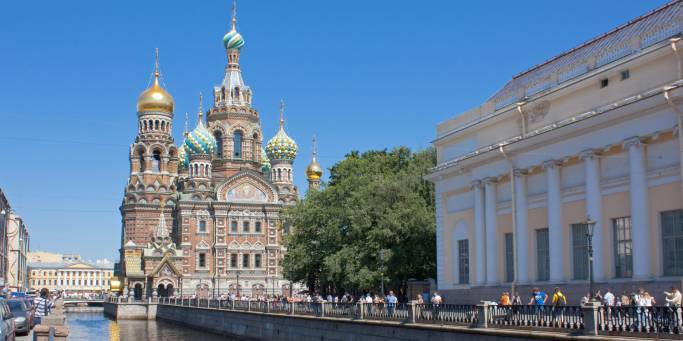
247,187
202,245
80,266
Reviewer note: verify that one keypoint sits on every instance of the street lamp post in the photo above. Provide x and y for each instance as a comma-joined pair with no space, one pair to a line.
381,271
590,224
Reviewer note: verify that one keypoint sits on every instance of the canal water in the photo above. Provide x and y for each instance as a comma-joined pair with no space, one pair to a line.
96,326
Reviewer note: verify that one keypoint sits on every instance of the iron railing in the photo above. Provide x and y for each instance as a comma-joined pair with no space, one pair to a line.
561,317
646,320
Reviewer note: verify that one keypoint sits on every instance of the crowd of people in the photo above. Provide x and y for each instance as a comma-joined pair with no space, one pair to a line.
639,298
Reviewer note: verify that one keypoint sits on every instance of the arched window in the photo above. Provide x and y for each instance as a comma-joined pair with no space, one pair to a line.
156,125
279,174
156,161
254,148
219,143
237,93
141,157
237,144
163,126
289,174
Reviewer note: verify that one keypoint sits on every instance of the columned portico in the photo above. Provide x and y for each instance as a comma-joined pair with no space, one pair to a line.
521,225
556,241
640,210
492,245
594,210
479,232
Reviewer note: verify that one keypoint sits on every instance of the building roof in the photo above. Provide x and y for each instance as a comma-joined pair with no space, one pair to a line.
642,32
69,265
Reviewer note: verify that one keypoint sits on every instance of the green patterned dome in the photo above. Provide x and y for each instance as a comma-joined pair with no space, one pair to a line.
183,157
281,146
265,163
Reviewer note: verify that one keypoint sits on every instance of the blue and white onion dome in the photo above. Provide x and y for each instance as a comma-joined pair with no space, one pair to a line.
200,141
281,146
233,40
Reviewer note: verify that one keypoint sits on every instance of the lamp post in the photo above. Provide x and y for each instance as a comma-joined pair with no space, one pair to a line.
381,271
237,286
590,224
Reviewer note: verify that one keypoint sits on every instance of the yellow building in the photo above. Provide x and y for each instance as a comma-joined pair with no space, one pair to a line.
592,135
74,278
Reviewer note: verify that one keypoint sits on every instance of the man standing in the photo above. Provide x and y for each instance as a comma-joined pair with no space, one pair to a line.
391,303
436,302
42,305
673,300
558,302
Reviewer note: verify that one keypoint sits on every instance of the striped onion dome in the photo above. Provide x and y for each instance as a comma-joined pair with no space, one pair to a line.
233,40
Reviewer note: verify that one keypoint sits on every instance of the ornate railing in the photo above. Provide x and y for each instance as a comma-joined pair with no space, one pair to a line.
646,320
447,313
561,317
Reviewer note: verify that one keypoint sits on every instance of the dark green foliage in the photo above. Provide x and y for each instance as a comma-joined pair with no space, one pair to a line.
374,201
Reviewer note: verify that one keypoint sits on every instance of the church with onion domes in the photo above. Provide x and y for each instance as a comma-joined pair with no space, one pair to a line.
203,217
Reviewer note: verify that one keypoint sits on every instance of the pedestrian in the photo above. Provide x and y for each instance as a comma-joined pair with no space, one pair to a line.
420,300
42,305
586,298
673,300
516,299
391,303
504,299
436,303
608,299
558,302
538,299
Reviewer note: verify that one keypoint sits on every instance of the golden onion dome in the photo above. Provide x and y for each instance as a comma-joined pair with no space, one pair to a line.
155,98
314,171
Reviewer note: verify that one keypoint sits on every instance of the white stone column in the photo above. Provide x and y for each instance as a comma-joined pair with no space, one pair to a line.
555,225
521,235
492,245
591,162
640,209
479,232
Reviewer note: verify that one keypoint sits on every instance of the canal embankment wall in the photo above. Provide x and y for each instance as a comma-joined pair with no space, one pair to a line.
245,325
130,311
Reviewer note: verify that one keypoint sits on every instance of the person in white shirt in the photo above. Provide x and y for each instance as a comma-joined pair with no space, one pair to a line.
608,299
673,300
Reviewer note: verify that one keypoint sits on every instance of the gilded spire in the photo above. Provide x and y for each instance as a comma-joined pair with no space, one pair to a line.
201,111
234,15
155,98
187,130
314,171
315,148
282,113
156,62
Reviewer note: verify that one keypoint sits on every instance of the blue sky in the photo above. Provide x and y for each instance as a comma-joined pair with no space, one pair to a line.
360,74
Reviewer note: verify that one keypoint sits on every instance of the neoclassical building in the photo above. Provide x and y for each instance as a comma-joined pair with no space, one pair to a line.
203,217
592,135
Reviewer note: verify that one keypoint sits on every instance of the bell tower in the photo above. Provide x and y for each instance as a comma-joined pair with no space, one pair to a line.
232,120
153,163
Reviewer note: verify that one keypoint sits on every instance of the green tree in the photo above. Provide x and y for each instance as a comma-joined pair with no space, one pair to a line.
375,203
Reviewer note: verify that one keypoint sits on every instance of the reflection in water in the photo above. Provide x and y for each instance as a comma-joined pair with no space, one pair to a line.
95,326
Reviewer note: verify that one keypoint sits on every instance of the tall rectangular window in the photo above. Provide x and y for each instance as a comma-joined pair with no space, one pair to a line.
623,247
509,258
202,260
542,254
202,226
245,261
257,227
245,227
672,242
463,261
580,250
233,227
233,260
257,261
